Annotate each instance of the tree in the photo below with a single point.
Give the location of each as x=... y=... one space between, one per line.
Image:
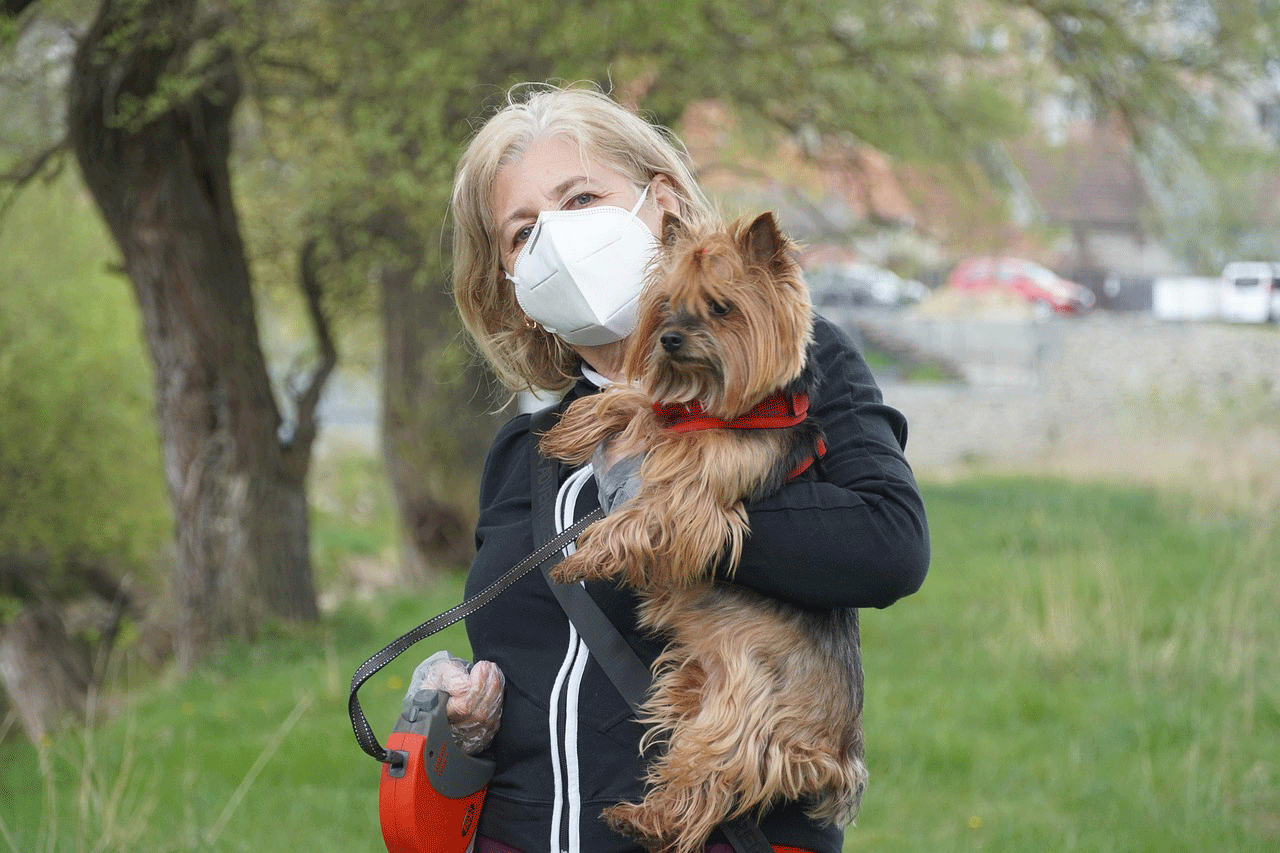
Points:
x=83 y=518
x=153 y=89
x=403 y=81
x=922 y=79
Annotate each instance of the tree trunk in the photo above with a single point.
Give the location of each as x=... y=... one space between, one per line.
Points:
x=161 y=179
x=44 y=674
x=48 y=664
x=438 y=417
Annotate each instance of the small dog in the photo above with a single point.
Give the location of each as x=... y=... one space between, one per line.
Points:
x=753 y=700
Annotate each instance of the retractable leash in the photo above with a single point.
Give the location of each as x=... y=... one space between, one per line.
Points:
x=431 y=791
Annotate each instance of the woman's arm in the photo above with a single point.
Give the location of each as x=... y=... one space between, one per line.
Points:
x=856 y=536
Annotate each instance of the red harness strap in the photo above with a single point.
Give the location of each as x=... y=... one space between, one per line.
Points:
x=725 y=848
x=775 y=412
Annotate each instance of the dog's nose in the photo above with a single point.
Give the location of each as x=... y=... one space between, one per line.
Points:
x=671 y=341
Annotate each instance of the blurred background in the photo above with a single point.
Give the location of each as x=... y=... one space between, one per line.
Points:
x=241 y=431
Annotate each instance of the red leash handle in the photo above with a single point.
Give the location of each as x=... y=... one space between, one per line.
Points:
x=429 y=798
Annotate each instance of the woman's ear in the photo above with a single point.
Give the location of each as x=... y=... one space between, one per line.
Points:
x=664 y=194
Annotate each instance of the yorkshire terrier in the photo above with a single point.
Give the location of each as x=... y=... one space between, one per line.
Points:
x=754 y=701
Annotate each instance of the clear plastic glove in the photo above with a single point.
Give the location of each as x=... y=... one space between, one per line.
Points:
x=617 y=474
x=475 y=696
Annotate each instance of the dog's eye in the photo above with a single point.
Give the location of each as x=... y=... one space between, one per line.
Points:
x=719 y=308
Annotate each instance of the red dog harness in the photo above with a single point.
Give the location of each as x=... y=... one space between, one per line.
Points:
x=775 y=412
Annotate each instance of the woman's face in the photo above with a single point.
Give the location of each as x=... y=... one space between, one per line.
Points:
x=554 y=175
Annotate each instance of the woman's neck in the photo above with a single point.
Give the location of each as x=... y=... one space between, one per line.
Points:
x=605 y=359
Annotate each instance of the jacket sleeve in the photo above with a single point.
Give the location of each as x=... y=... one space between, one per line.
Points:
x=857 y=535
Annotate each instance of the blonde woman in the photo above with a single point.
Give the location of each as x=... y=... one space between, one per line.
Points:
x=557 y=203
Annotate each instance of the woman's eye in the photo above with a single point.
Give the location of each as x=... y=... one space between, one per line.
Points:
x=521 y=235
x=719 y=308
x=582 y=200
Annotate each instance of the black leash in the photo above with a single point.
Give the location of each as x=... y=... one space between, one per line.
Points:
x=364 y=734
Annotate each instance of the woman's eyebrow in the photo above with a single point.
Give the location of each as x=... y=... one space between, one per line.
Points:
x=563 y=186
x=557 y=191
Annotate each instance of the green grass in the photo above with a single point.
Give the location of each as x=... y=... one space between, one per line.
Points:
x=1087 y=668
x=181 y=767
x=884 y=365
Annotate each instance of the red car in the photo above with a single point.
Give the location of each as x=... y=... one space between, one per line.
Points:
x=1048 y=292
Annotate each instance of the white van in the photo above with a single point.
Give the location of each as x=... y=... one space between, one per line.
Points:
x=1251 y=292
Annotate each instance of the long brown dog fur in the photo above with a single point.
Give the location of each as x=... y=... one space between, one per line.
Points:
x=754 y=701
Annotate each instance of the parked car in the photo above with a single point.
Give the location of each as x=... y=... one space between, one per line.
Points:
x=862 y=284
x=1046 y=291
x=1250 y=292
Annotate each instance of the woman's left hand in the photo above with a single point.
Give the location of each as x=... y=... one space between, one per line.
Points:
x=475 y=696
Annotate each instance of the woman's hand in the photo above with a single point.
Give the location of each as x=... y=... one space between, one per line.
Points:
x=475 y=696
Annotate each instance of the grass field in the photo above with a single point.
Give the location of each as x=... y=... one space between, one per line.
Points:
x=1087 y=668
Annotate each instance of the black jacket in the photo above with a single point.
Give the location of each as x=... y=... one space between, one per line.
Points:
x=568 y=746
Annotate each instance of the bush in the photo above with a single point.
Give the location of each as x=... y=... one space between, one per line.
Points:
x=80 y=465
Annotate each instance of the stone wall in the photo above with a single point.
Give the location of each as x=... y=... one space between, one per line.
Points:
x=1117 y=393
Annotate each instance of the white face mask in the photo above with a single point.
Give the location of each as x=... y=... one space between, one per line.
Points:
x=580 y=273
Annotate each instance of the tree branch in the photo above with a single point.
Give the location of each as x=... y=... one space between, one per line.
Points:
x=14 y=8
x=321 y=84
x=308 y=398
x=27 y=170
x=12 y=181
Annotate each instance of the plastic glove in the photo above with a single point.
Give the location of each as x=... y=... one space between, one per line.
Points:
x=475 y=696
x=617 y=474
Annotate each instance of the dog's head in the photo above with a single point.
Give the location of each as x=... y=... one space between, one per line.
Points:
x=724 y=319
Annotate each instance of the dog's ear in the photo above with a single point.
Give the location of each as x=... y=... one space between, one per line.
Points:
x=673 y=228
x=763 y=241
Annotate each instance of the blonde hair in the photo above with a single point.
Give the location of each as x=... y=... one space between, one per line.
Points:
x=526 y=356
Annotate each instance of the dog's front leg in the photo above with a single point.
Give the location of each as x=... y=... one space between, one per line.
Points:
x=684 y=518
x=656 y=540
x=615 y=546
x=689 y=515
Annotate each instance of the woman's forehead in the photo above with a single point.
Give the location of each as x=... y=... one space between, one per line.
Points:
x=548 y=168
x=552 y=159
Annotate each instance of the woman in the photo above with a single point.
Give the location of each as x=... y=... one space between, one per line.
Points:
x=556 y=203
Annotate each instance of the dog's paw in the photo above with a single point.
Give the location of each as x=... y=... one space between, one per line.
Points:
x=579 y=566
x=616 y=547
x=634 y=821
x=565 y=574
